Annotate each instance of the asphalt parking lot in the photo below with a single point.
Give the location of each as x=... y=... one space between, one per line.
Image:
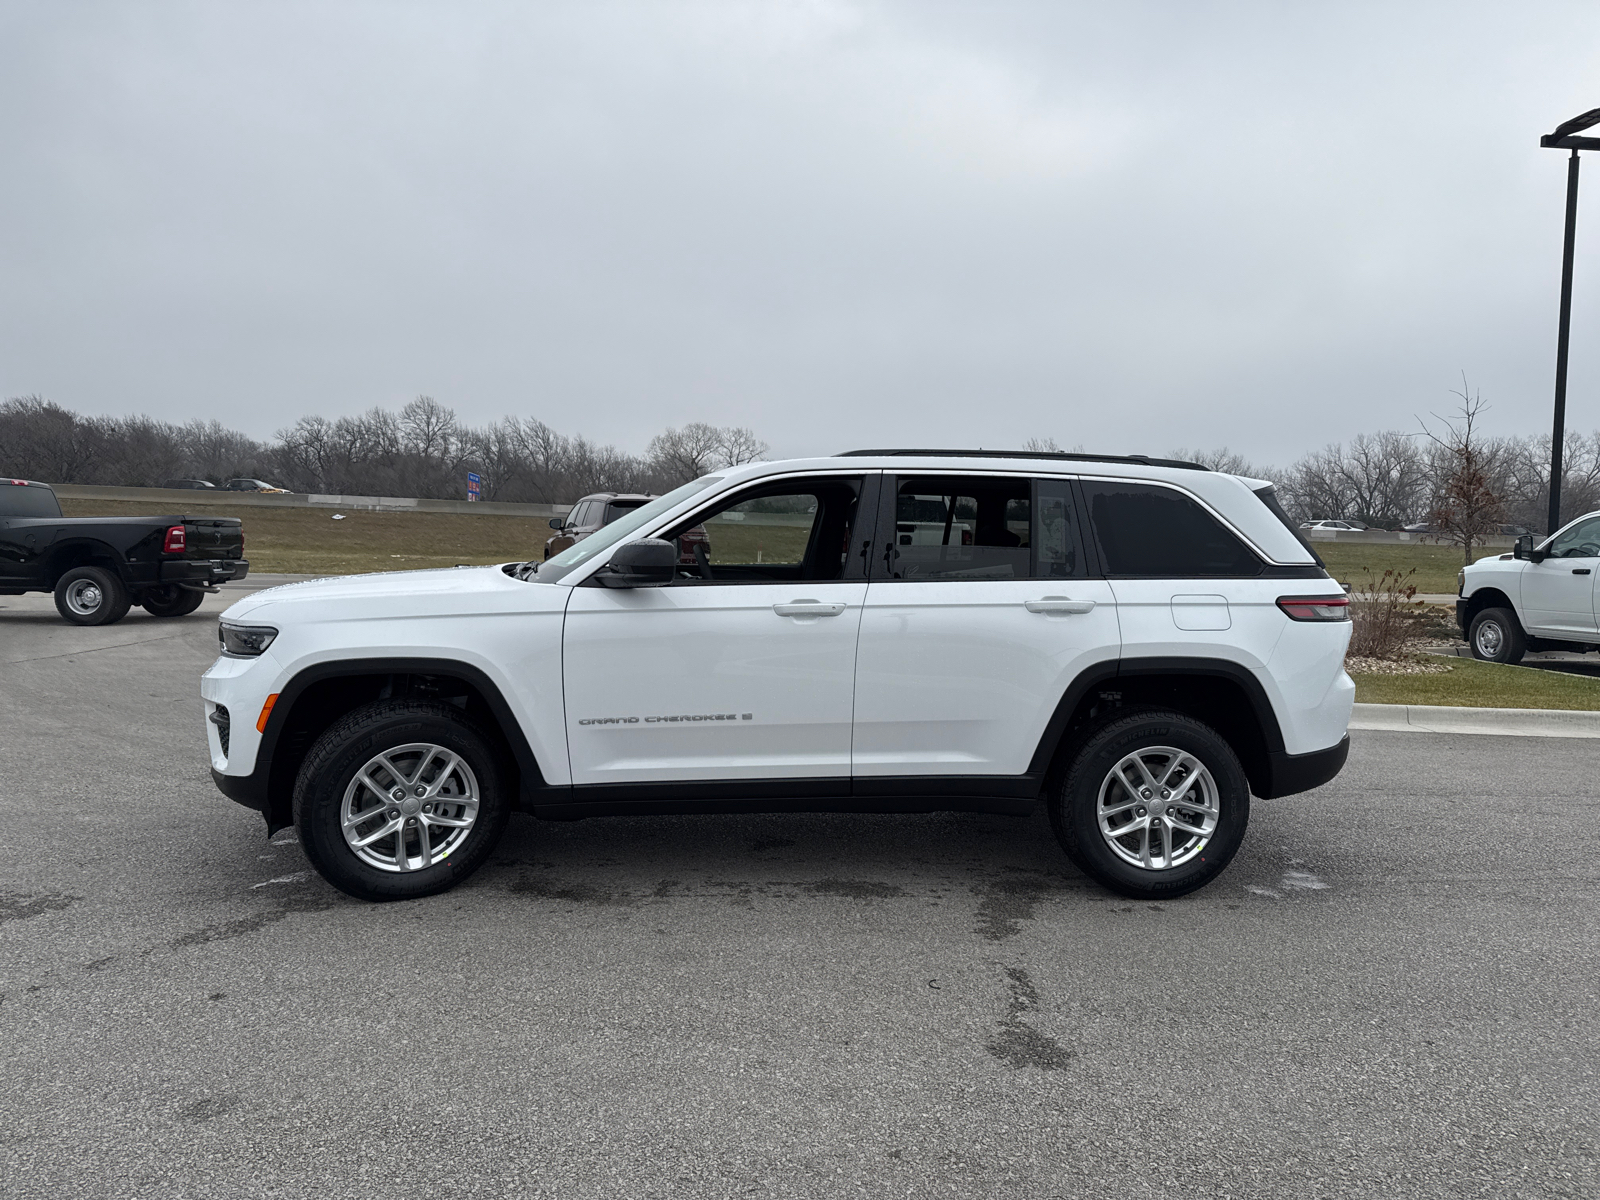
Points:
x=1392 y=992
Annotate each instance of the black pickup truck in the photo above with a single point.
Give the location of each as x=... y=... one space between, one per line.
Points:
x=99 y=567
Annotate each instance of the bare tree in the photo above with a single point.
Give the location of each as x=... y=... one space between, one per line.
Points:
x=1466 y=506
x=680 y=455
x=1223 y=460
x=1044 y=445
x=427 y=427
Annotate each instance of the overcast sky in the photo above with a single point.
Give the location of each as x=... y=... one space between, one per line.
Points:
x=844 y=224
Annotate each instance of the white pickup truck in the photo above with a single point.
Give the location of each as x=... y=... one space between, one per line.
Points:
x=1539 y=597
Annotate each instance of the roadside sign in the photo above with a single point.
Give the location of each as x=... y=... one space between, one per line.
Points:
x=474 y=486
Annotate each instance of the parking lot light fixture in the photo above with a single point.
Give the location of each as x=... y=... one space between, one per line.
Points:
x=1566 y=137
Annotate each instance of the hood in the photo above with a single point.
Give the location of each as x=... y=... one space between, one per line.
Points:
x=387 y=589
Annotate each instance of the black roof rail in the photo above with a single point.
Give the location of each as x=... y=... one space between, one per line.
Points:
x=1144 y=460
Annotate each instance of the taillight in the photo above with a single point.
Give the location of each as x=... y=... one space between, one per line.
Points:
x=176 y=541
x=1315 y=608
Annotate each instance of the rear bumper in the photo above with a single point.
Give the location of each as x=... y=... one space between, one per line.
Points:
x=1292 y=773
x=203 y=572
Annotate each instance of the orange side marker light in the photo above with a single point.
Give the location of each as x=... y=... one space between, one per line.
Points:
x=266 y=711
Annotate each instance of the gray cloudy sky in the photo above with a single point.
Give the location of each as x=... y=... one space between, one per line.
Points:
x=1134 y=226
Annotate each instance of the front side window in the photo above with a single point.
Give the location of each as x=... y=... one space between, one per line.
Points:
x=1581 y=541
x=797 y=529
x=961 y=527
x=620 y=530
x=1147 y=530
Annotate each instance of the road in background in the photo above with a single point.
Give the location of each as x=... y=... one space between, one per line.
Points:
x=1390 y=993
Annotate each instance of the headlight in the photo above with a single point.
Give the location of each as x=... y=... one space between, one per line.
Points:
x=1461 y=582
x=244 y=641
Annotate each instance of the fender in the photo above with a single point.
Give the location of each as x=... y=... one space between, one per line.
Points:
x=268 y=787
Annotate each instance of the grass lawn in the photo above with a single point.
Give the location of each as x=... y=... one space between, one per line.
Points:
x=1436 y=566
x=308 y=541
x=1476 y=684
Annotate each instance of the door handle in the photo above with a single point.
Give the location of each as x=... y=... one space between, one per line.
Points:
x=808 y=608
x=1059 y=604
x=1580 y=570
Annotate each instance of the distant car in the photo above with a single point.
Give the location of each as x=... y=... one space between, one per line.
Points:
x=1348 y=525
x=189 y=484
x=1514 y=530
x=251 y=485
x=598 y=510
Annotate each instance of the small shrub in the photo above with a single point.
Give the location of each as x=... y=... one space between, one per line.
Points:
x=1385 y=614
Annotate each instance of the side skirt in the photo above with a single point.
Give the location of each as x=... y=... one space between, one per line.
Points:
x=1012 y=795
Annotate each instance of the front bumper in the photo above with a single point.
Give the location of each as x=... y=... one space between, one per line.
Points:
x=203 y=572
x=1461 y=615
x=1292 y=773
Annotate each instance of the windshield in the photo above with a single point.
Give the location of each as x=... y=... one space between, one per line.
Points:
x=619 y=530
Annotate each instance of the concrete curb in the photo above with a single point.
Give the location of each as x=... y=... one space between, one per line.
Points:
x=1503 y=722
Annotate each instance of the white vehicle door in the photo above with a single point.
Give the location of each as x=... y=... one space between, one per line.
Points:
x=1186 y=585
x=969 y=640
x=743 y=667
x=1558 y=593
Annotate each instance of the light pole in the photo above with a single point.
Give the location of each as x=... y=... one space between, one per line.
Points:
x=1564 y=137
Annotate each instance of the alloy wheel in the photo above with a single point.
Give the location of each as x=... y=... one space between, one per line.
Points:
x=1158 y=808
x=409 y=807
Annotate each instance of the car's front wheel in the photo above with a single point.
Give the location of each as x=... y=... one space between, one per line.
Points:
x=400 y=799
x=91 y=596
x=1152 y=805
x=1495 y=635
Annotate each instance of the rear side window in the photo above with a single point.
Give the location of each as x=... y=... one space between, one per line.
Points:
x=1148 y=530
x=28 y=502
x=962 y=527
x=618 y=507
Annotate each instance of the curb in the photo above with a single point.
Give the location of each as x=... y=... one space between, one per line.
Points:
x=1502 y=722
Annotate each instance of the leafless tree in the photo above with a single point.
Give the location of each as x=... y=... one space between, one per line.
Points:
x=680 y=455
x=1466 y=507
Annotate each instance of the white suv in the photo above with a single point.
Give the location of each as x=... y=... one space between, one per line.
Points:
x=1539 y=597
x=1136 y=644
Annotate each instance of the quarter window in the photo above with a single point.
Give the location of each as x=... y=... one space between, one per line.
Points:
x=1148 y=530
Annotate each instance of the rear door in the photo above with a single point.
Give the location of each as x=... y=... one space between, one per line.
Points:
x=981 y=611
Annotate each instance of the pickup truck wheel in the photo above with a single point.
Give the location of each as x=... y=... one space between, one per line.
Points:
x=1152 y=805
x=1495 y=635
x=172 y=601
x=91 y=596
x=400 y=799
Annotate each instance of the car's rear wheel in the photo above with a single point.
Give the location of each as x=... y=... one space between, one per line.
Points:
x=1495 y=635
x=172 y=601
x=1152 y=805
x=91 y=596
x=400 y=799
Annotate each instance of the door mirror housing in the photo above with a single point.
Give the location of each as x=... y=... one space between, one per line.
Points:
x=1524 y=549
x=557 y=523
x=648 y=562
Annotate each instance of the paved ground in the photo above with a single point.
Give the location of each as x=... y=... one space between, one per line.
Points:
x=1390 y=994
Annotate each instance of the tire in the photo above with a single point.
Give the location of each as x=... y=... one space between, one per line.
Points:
x=1495 y=635
x=1160 y=740
x=411 y=735
x=172 y=601
x=91 y=596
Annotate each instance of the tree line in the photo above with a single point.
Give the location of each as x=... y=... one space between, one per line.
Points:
x=1445 y=471
x=421 y=450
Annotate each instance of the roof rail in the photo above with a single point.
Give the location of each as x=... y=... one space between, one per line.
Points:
x=1143 y=460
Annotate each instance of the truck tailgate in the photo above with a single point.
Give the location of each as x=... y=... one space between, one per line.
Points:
x=213 y=537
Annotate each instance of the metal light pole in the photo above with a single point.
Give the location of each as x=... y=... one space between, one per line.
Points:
x=1564 y=138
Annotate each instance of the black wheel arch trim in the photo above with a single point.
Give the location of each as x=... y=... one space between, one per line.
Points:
x=259 y=790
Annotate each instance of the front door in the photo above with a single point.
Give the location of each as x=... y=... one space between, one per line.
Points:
x=979 y=616
x=743 y=667
x=1558 y=593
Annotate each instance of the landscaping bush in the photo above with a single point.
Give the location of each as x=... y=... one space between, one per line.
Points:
x=1386 y=615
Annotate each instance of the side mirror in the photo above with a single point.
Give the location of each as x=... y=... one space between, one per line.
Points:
x=1524 y=549
x=648 y=562
x=557 y=523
